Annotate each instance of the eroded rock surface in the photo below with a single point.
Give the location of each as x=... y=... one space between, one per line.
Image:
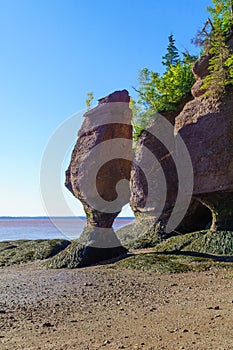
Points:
x=101 y=159
x=206 y=126
x=200 y=71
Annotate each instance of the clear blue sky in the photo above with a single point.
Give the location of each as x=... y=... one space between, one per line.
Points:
x=53 y=52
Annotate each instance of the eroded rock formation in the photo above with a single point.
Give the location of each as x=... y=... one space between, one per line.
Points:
x=151 y=221
x=200 y=71
x=206 y=127
x=101 y=159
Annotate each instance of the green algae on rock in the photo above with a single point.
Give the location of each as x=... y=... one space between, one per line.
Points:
x=153 y=263
x=170 y=263
x=22 y=251
x=206 y=242
x=94 y=245
x=143 y=233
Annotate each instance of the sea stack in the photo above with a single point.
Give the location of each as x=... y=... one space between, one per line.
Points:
x=98 y=175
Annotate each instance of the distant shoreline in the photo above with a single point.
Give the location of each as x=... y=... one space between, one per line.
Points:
x=47 y=227
x=57 y=217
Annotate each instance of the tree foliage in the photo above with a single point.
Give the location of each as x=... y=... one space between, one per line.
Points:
x=218 y=78
x=89 y=99
x=163 y=93
x=160 y=93
x=221 y=61
x=172 y=55
x=221 y=15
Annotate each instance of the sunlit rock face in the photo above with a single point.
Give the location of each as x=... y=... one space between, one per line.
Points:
x=206 y=126
x=106 y=133
x=98 y=175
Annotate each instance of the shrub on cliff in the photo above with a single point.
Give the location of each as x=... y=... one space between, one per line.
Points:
x=160 y=93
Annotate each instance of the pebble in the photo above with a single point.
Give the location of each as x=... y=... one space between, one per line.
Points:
x=47 y=324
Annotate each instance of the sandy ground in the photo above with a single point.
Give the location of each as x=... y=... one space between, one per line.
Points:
x=103 y=308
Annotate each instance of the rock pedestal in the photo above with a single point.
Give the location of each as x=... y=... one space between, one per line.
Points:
x=98 y=175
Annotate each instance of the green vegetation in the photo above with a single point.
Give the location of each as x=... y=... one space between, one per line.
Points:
x=221 y=61
x=17 y=252
x=153 y=263
x=89 y=99
x=161 y=93
x=144 y=233
x=206 y=242
x=172 y=56
x=171 y=263
x=221 y=15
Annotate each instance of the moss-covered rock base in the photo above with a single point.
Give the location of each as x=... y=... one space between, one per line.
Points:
x=94 y=245
x=22 y=251
x=144 y=233
x=170 y=263
x=206 y=242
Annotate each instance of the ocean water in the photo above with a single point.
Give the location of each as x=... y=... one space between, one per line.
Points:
x=15 y=228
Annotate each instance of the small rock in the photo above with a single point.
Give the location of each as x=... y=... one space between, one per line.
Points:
x=47 y=324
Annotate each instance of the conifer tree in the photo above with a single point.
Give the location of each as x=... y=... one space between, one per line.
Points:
x=172 y=56
x=220 y=64
x=217 y=79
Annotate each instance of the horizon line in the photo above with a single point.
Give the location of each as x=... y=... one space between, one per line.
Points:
x=56 y=216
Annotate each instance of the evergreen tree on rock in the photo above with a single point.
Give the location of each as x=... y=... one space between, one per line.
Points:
x=172 y=56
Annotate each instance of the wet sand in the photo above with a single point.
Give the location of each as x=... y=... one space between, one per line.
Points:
x=104 y=308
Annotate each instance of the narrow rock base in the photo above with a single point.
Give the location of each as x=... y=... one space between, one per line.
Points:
x=145 y=232
x=94 y=245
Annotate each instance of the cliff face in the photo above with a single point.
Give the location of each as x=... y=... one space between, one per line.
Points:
x=206 y=127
